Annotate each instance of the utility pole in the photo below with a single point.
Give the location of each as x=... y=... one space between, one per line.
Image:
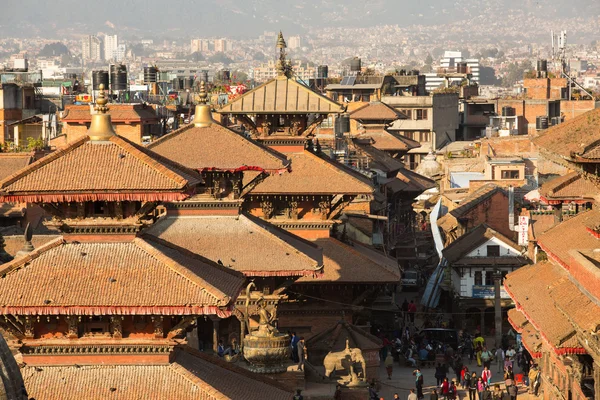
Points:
x=497 y=307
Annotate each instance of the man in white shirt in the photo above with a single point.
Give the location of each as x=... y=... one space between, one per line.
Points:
x=500 y=359
x=510 y=353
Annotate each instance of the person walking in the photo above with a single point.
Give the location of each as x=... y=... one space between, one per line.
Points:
x=480 y=388
x=419 y=383
x=465 y=377
x=486 y=357
x=473 y=386
x=298 y=395
x=486 y=375
x=294 y=345
x=412 y=395
x=404 y=309
x=440 y=374
x=389 y=365
x=533 y=377
x=445 y=388
x=412 y=310
x=433 y=395
x=301 y=347
x=512 y=390
x=500 y=359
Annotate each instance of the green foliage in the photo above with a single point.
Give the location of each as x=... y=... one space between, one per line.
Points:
x=515 y=72
x=428 y=60
x=54 y=50
x=34 y=144
x=220 y=58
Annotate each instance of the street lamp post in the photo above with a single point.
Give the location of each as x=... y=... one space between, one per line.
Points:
x=497 y=307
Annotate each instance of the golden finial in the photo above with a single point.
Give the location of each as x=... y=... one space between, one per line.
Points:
x=101 y=126
x=281 y=41
x=203 y=113
x=101 y=101
x=203 y=96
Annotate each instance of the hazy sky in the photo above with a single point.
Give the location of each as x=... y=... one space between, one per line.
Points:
x=251 y=17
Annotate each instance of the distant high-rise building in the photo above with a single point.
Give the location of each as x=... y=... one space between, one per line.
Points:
x=199 y=45
x=294 y=42
x=119 y=53
x=220 y=45
x=91 y=48
x=111 y=42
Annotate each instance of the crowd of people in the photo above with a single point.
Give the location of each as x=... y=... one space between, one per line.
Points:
x=452 y=374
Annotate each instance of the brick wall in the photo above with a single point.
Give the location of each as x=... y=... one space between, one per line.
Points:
x=573 y=108
x=493 y=212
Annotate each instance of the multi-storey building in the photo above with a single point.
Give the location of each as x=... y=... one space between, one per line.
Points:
x=111 y=43
x=91 y=48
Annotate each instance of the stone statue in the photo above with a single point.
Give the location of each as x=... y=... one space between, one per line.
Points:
x=346 y=360
x=265 y=327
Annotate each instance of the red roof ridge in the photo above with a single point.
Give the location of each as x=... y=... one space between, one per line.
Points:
x=146 y=245
x=19 y=262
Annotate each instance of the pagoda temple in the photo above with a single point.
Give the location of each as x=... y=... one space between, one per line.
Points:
x=102 y=311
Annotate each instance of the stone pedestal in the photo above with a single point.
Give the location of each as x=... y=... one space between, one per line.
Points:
x=267 y=354
x=292 y=378
x=355 y=394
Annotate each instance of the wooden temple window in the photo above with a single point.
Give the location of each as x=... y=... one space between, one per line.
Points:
x=96 y=326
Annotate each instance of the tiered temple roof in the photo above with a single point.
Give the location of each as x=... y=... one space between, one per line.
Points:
x=353 y=264
x=216 y=148
x=243 y=243
x=110 y=170
x=190 y=375
x=281 y=95
x=572 y=187
x=312 y=174
x=122 y=278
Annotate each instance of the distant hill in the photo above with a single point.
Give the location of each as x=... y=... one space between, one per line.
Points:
x=237 y=18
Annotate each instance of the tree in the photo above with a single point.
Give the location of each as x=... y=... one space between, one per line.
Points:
x=54 y=50
x=487 y=76
x=515 y=72
x=437 y=52
x=220 y=58
x=239 y=76
x=428 y=60
x=195 y=57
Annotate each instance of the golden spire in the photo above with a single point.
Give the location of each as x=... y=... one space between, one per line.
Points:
x=281 y=41
x=283 y=66
x=101 y=126
x=203 y=113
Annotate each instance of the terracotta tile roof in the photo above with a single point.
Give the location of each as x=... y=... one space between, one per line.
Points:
x=416 y=182
x=473 y=239
x=216 y=147
x=540 y=223
x=352 y=264
x=570 y=234
x=13 y=162
x=379 y=159
x=572 y=137
x=530 y=288
x=88 y=170
x=484 y=192
x=243 y=243
x=118 y=113
x=517 y=319
x=571 y=186
x=576 y=306
x=192 y=375
x=281 y=95
x=529 y=335
x=312 y=174
x=138 y=277
x=387 y=141
x=376 y=111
